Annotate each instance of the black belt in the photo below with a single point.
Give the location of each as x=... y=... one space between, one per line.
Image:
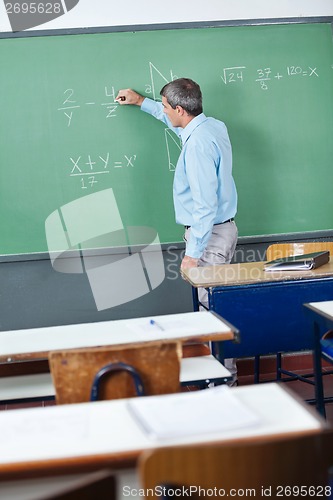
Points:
x=218 y=224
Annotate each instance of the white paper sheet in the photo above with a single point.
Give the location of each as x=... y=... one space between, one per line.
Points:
x=198 y=412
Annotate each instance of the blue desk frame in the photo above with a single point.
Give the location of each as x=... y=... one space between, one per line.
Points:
x=320 y=323
x=270 y=315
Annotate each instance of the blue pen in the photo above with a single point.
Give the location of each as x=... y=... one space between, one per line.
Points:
x=154 y=323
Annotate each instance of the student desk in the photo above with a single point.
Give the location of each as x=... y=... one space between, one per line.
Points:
x=266 y=306
x=321 y=315
x=105 y=434
x=36 y=343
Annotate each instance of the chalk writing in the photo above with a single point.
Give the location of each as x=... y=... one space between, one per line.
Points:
x=173 y=147
x=157 y=81
x=264 y=75
x=70 y=105
x=90 y=167
x=297 y=70
x=233 y=74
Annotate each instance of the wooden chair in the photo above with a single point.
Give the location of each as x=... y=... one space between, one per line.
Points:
x=275 y=465
x=278 y=251
x=73 y=371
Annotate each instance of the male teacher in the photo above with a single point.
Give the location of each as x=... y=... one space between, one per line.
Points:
x=204 y=191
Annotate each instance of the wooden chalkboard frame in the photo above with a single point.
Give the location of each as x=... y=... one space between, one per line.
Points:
x=167 y=26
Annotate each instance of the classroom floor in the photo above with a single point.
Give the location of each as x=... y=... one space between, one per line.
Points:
x=302 y=389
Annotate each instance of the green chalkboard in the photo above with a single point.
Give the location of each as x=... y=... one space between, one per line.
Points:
x=62 y=136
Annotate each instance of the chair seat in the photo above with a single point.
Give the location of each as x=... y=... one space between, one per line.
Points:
x=22 y=387
x=327 y=349
x=326 y=343
x=203 y=369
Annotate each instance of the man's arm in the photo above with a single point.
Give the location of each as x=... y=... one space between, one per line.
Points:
x=129 y=96
x=153 y=108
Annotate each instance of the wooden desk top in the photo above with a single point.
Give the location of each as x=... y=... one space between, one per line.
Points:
x=107 y=434
x=248 y=273
x=36 y=343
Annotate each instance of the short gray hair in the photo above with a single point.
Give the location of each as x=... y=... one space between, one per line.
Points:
x=184 y=92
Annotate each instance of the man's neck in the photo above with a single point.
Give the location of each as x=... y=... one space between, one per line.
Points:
x=186 y=120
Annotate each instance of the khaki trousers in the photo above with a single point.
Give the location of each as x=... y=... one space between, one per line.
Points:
x=220 y=250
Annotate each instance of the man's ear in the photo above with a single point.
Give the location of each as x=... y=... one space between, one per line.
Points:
x=180 y=110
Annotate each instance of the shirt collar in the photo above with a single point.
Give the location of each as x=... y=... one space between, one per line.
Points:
x=194 y=123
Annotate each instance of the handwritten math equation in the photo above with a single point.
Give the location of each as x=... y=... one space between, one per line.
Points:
x=70 y=106
x=264 y=76
x=89 y=168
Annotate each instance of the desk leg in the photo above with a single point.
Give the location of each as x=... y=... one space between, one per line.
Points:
x=217 y=347
x=318 y=376
x=217 y=351
x=278 y=366
x=256 y=369
x=195 y=299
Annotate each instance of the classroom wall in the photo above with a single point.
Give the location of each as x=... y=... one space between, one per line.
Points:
x=32 y=293
x=89 y=13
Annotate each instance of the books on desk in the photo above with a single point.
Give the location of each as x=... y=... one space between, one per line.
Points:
x=299 y=262
x=192 y=413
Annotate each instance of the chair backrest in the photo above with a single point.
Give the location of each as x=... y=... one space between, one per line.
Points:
x=107 y=371
x=73 y=371
x=280 y=250
x=244 y=465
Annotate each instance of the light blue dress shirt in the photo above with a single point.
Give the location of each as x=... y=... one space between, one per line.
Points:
x=204 y=190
